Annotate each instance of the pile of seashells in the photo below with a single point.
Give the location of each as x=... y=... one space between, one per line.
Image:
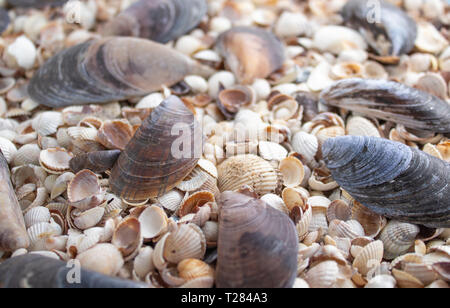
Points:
x=318 y=133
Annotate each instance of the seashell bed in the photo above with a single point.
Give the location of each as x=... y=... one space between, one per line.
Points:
x=225 y=143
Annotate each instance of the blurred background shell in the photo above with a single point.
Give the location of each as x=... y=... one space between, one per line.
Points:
x=158 y=20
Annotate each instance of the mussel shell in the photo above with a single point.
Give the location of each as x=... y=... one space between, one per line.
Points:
x=257 y=244
x=394 y=24
x=158 y=20
x=109 y=69
x=251 y=52
x=390 y=101
x=392 y=179
x=148 y=167
x=13 y=234
x=4 y=20
x=36 y=3
x=35 y=271
x=97 y=162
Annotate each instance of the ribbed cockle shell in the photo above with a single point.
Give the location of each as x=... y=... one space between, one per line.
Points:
x=392 y=179
x=162 y=153
x=257 y=244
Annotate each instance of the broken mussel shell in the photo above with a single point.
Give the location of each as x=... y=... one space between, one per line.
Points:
x=157 y=20
x=251 y=52
x=390 y=101
x=164 y=150
x=109 y=69
x=386 y=28
x=4 y=20
x=35 y=271
x=391 y=179
x=257 y=244
x=98 y=161
x=13 y=234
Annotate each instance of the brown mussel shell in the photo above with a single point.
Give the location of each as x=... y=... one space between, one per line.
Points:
x=390 y=101
x=376 y=19
x=257 y=244
x=13 y=234
x=109 y=69
x=391 y=179
x=150 y=165
x=35 y=271
x=157 y=20
x=251 y=52
x=97 y=162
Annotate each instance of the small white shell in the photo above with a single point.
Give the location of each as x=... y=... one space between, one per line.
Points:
x=291 y=24
x=153 y=221
x=225 y=78
x=336 y=39
x=186 y=242
x=8 y=149
x=37 y=215
x=359 y=126
x=27 y=154
x=198 y=84
x=143 y=263
x=369 y=257
x=276 y=202
x=102 y=258
x=272 y=151
x=429 y=39
x=89 y=218
x=292 y=171
x=22 y=52
x=381 y=282
x=47 y=123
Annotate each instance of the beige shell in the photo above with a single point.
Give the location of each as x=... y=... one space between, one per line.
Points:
x=82 y=133
x=194 y=268
x=425 y=273
x=158 y=254
x=329 y=132
x=84 y=191
x=194 y=202
x=304 y=222
x=27 y=154
x=370 y=256
x=103 y=258
x=211 y=231
x=398 y=238
x=89 y=218
x=8 y=149
x=345 y=229
x=127 y=237
x=47 y=123
x=336 y=39
x=406 y=280
x=188 y=241
x=248 y=170
x=371 y=222
x=276 y=202
x=154 y=222
x=293 y=197
x=115 y=134
x=359 y=126
x=37 y=215
x=339 y=209
x=381 y=282
x=42 y=230
x=199 y=283
x=55 y=160
x=344 y=70
x=271 y=151
x=60 y=184
x=143 y=263
x=194 y=180
x=429 y=39
x=374 y=70
x=171 y=200
x=292 y=171
x=323 y=275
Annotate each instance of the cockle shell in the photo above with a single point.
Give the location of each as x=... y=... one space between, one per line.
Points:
x=115 y=61
x=369 y=257
x=382 y=19
x=390 y=101
x=292 y=171
x=55 y=160
x=251 y=52
x=152 y=162
x=154 y=222
x=102 y=258
x=391 y=179
x=37 y=215
x=157 y=20
x=84 y=191
x=248 y=170
x=98 y=162
x=306 y=145
x=193 y=268
x=188 y=241
x=266 y=235
x=398 y=238
x=8 y=149
x=13 y=234
x=127 y=237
